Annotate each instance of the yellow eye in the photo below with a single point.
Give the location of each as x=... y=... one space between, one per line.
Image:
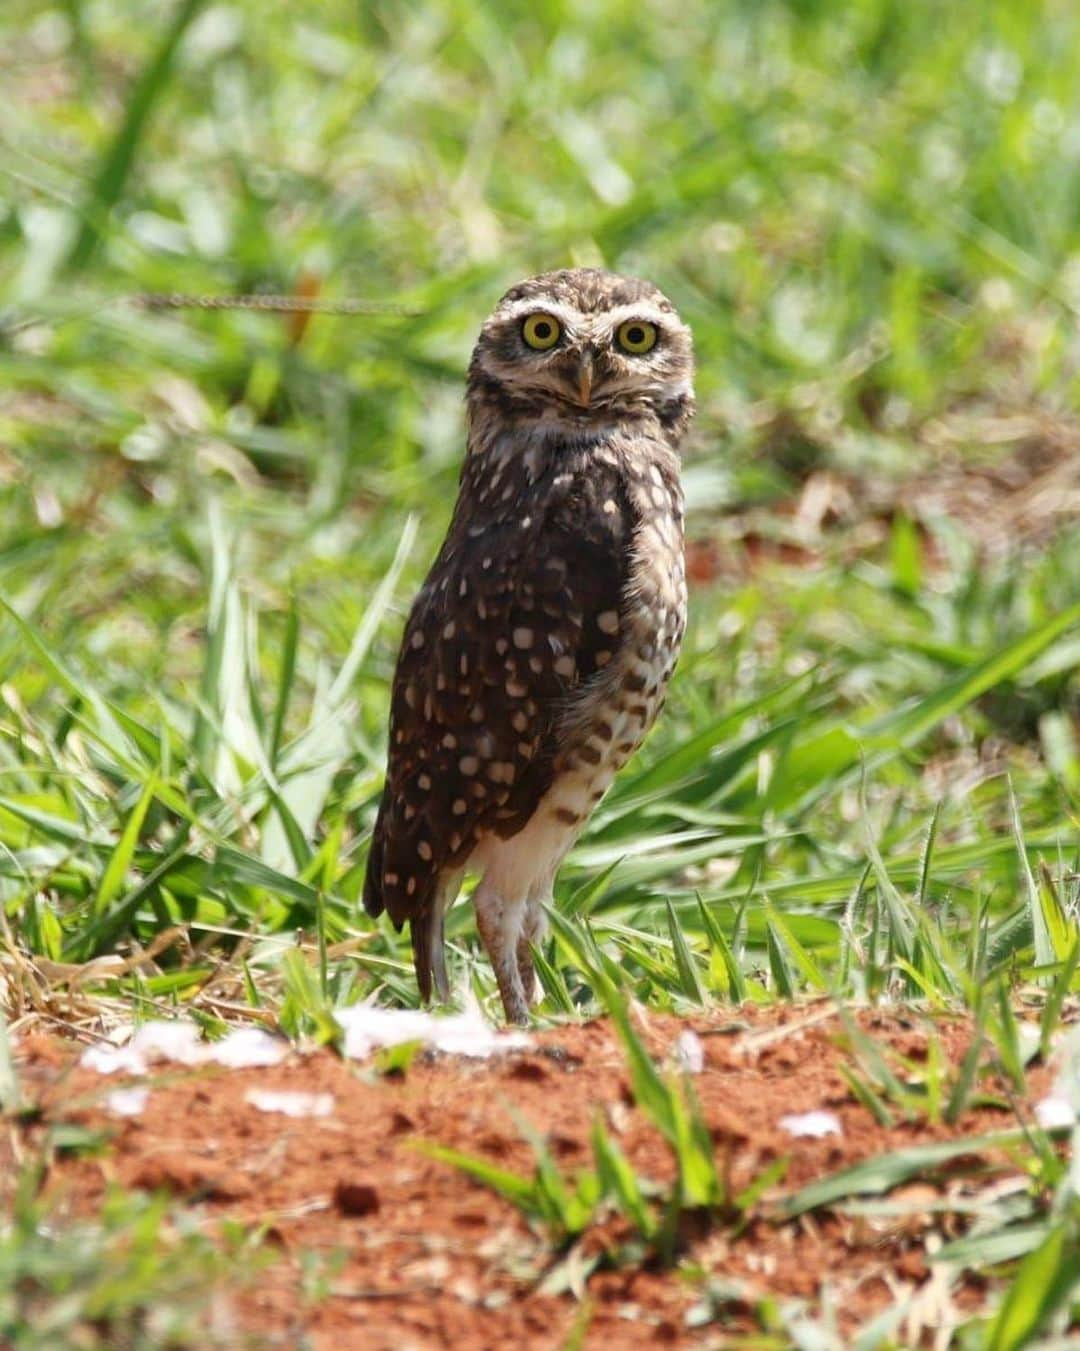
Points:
x=541 y=331
x=637 y=336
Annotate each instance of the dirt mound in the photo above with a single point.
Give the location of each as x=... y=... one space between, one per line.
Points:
x=417 y=1255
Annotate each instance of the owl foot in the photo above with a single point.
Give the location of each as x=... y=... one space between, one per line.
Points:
x=499 y=926
x=532 y=935
x=527 y=971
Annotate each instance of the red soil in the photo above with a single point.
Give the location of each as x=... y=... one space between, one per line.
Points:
x=427 y=1258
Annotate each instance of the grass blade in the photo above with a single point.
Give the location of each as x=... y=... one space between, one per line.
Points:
x=1040 y=929
x=735 y=981
x=685 y=964
x=881 y=1174
x=519 y=1191
x=116 y=870
x=108 y=182
x=1045 y=1278
x=618 y=1177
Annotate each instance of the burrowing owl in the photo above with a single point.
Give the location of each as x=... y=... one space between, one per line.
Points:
x=537 y=653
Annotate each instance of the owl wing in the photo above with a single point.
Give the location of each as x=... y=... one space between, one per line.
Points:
x=515 y=616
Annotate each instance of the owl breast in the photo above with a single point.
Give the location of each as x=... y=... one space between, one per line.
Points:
x=614 y=712
x=609 y=717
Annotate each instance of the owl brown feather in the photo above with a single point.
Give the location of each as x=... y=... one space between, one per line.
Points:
x=536 y=652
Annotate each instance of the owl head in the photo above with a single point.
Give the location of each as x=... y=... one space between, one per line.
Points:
x=584 y=348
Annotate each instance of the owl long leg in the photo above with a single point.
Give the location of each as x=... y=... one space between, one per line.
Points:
x=499 y=923
x=526 y=970
x=532 y=932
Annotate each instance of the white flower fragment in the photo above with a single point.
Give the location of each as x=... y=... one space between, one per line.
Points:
x=290 y=1104
x=180 y=1043
x=113 y=1060
x=689 y=1052
x=369 y=1029
x=248 y=1047
x=1061 y=1106
x=812 y=1124
x=127 y=1101
x=1054 y=1111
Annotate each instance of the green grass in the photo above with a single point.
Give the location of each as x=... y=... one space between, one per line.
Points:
x=566 y=1208
x=867 y=781
x=137 y=1276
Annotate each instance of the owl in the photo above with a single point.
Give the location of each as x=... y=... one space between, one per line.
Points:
x=538 y=651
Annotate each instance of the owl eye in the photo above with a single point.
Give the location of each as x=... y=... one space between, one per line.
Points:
x=541 y=331
x=637 y=336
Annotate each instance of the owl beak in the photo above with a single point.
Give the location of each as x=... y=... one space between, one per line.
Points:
x=585 y=379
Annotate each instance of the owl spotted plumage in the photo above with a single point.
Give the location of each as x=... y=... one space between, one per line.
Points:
x=538 y=651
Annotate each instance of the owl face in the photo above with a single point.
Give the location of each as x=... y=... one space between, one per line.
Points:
x=583 y=347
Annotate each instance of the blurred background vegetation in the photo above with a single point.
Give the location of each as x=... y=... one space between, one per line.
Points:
x=868 y=211
x=867 y=780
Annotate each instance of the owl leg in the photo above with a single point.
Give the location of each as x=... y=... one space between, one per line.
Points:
x=532 y=932
x=499 y=923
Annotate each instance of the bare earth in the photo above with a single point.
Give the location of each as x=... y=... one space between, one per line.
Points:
x=417 y=1255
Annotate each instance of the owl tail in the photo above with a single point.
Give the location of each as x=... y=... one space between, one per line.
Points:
x=374 y=903
x=425 y=917
x=429 y=951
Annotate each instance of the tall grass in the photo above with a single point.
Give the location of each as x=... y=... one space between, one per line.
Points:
x=867 y=780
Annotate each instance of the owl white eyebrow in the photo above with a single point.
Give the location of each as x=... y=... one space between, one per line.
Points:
x=646 y=313
x=541 y=305
x=572 y=320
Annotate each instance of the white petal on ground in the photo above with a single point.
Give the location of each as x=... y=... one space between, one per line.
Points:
x=1054 y=1111
x=247 y=1047
x=127 y=1101
x=113 y=1060
x=367 y=1029
x=689 y=1052
x=176 y=1041
x=815 y=1124
x=152 y=1041
x=290 y=1104
x=1061 y=1106
x=181 y=1043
